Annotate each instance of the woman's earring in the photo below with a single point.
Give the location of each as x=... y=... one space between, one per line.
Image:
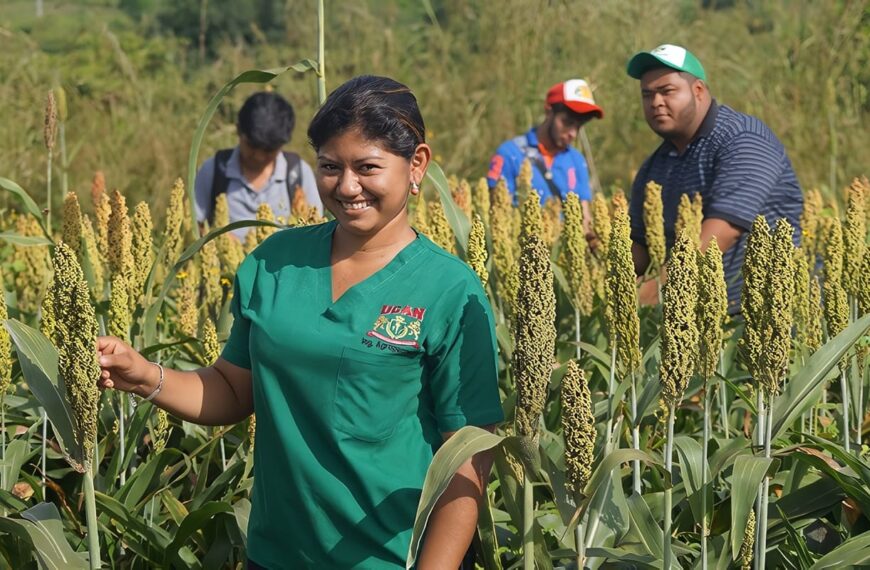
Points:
x=415 y=188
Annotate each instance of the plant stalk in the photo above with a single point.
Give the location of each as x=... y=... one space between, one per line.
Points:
x=759 y=441
x=708 y=401
x=722 y=394
x=122 y=429
x=91 y=519
x=61 y=135
x=635 y=434
x=44 y=445
x=765 y=491
x=611 y=388
x=528 y=524
x=669 y=497
x=844 y=388
x=577 y=351
x=321 y=65
x=48 y=192
x=579 y=539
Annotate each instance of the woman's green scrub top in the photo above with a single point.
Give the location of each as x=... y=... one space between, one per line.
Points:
x=352 y=396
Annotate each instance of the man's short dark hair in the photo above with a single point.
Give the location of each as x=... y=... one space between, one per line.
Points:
x=267 y=120
x=582 y=118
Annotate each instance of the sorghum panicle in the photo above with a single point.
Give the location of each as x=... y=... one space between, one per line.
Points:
x=748 y=545
x=679 y=327
x=576 y=262
x=836 y=305
x=854 y=239
x=534 y=334
x=441 y=232
x=98 y=187
x=89 y=240
x=5 y=345
x=477 y=253
x=654 y=223
x=264 y=214
x=601 y=222
x=578 y=423
x=75 y=336
x=531 y=217
x=212 y=290
x=187 y=304
x=504 y=256
x=71 y=232
x=814 y=321
x=780 y=288
x=420 y=218
x=480 y=200
x=810 y=225
x=624 y=325
x=551 y=225
x=161 y=429
x=801 y=295
x=142 y=248
x=119 y=308
x=524 y=181
x=759 y=247
x=49 y=129
x=462 y=196
x=712 y=308
x=210 y=345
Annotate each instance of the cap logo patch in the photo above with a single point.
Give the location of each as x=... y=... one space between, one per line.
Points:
x=399 y=325
x=675 y=55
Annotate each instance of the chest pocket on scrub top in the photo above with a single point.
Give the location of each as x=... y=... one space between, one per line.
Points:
x=374 y=392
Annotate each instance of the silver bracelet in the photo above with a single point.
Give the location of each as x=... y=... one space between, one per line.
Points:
x=159 y=387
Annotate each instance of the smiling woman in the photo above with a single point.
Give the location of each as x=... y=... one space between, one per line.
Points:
x=361 y=346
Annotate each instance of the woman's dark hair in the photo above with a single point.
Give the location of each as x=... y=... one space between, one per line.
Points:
x=382 y=109
x=267 y=120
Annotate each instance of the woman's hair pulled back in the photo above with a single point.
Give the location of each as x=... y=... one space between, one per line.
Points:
x=381 y=108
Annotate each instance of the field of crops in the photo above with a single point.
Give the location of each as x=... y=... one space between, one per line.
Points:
x=655 y=436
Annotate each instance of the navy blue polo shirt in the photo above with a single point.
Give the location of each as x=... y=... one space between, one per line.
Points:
x=741 y=170
x=568 y=169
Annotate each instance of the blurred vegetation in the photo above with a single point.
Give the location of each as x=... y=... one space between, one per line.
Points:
x=139 y=72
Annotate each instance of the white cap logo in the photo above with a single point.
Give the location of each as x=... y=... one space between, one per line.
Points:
x=675 y=55
x=578 y=90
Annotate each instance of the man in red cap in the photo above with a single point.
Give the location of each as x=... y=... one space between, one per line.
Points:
x=557 y=167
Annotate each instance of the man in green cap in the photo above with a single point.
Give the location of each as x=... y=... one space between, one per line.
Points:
x=732 y=159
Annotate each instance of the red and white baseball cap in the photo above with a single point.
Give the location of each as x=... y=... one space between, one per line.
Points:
x=576 y=95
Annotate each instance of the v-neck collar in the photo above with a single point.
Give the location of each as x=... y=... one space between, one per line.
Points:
x=370 y=283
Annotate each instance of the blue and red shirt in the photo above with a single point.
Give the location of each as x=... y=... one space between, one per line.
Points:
x=567 y=168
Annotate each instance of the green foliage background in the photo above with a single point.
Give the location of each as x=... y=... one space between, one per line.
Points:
x=137 y=76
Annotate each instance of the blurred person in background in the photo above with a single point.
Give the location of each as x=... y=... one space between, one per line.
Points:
x=258 y=170
x=734 y=160
x=557 y=167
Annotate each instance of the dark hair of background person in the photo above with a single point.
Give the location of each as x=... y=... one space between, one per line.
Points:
x=382 y=109
x=267 y=120
x=582 y=118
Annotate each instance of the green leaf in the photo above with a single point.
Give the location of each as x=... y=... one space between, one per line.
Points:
x=41 y=527
x=28 y=203
x=804 y=390
x=250 y=76
x=192 y=523
x=691 y=470
x=25 y=240
x=460 y=225
x=458 y=449
x=747 y=475
x=148 y=542
x=853 y=553
x=17 y=453
x=647 y=530
x=38 y=359
x=242 y=511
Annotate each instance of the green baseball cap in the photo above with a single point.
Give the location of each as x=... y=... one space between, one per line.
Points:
x=666 y=55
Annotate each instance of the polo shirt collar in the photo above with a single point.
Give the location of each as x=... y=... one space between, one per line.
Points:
x=234 y=167
x=532 y=137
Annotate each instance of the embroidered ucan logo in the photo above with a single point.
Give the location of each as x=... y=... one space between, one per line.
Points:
x=399 y=325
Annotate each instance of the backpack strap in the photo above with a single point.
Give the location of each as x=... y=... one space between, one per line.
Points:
x=220 y=182
x=535 y=158
x=294 y=164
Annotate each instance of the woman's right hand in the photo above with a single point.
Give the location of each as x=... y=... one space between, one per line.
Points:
x=122 y=368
